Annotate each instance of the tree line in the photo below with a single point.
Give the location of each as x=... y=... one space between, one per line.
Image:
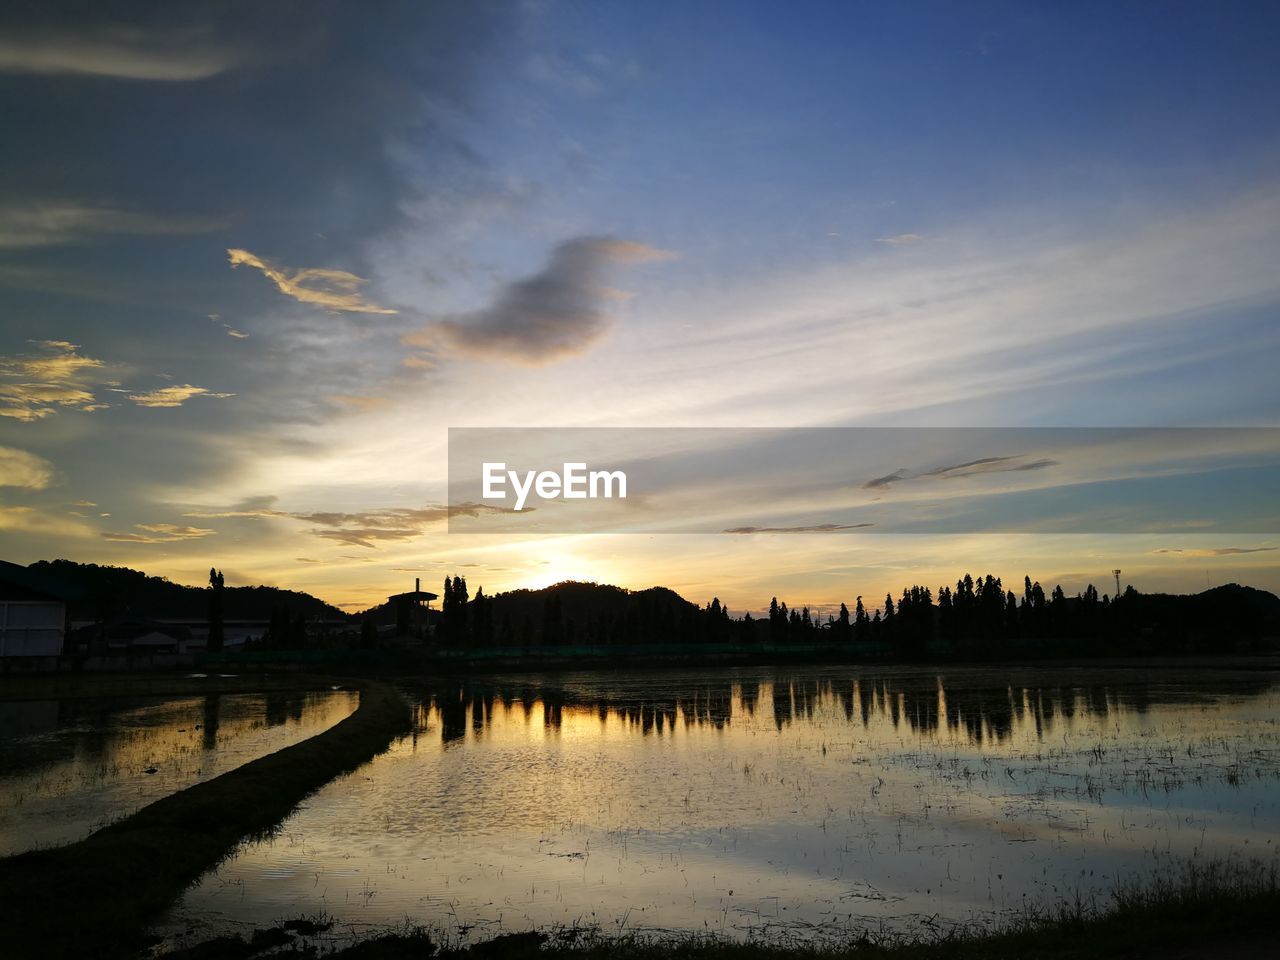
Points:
x=977 y=618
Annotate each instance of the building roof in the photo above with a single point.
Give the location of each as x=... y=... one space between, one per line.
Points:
x=413 y=595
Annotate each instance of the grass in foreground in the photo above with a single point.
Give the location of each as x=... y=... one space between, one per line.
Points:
x=94 y=898
x=1198 y=910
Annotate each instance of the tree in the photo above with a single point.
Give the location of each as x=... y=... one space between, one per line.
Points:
x=552 y=621
x=842 y=629
x=481 y=619
x=217 y=636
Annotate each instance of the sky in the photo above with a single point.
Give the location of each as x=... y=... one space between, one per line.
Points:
x=257 y=259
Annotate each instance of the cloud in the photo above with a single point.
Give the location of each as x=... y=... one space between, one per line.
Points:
x=366 y=528
x=174 y=396
x=231 y=331
x=360 y=529
x=51 y=223
x=257 y=508
x=1213 y=551
x=558 y=312
x=814 y=528
x=358 y=402
x=31 y=520
x=159 y=533
x=900 y=240
x=120 y=52
x=24 y=470
x=878 y=482
x=332 y=289
x=970 y=468
x=32 y=387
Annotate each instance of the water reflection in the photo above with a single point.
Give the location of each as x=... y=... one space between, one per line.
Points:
x=766 y=802
x=70 y=766
x=921 y=704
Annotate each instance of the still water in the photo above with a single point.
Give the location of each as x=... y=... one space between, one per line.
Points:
x=768 y=803
x=68 y=767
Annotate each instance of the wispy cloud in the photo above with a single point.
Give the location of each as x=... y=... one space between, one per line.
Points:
x=257 y=508
x=1205 y=552
x=24 y=470
x=900 y=240
x=359 y=529
x=332 y=289
x=32 y=387
x=358 y=401
x=811 y=528
x=126 y=53
x=365 y=529
x=558 y=312
x=51 y=223
x=174 y=396
x=159 y=533
x=40 y=523
x=985 y=465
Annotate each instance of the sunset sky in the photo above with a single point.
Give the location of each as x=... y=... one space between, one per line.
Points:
x=256 y=259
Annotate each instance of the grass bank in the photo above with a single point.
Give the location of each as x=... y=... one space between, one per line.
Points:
x=1201 y=910
x=94 y=898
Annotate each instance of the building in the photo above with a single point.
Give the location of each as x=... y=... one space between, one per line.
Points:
x=34 y=616
x=412 y=610
x=133 y=635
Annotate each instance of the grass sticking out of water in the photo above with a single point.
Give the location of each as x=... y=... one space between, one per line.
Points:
x=1195 y=910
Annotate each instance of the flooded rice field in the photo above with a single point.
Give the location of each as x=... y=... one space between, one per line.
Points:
x=769 y=803
x=70 y=766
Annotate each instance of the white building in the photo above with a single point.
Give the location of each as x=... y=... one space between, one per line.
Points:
x=33 y=613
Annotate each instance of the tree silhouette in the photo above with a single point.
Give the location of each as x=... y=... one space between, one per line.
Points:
x=217 y=636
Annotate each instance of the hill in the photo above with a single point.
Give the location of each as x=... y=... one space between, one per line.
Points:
x=598 y=612
x=110 y=592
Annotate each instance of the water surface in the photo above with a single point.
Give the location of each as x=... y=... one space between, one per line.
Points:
x=70 y=766
x=769 y=802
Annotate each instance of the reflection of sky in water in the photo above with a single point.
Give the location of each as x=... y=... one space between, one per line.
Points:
x=68 y=767
x=770 y=802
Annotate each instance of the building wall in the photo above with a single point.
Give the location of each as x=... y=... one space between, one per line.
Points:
x=32 y=628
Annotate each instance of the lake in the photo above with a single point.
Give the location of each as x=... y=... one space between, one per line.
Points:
x=769 y=803
x=70 y=766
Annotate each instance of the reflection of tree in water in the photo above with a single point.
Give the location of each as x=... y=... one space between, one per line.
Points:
x=553 y=709
x=921 y=704
x=210 y=716
x=455 y=709
x=781 y=704
x=277 y=709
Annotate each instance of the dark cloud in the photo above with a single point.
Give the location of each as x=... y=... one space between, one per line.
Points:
x=360 y=529
x=970 y=468
x=1213 y=551
x=558 y=312
x=814 y=528
x=887 y=479
x=289 y=118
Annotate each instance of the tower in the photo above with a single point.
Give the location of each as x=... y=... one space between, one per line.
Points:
x=1117 y=573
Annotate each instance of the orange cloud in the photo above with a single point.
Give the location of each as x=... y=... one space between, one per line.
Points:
x=333 y=289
